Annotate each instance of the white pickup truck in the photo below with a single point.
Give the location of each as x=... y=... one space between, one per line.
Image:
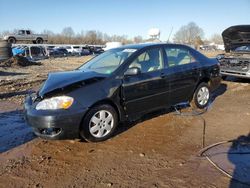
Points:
x=26 y=35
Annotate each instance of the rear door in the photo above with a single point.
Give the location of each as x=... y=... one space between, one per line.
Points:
x=28 y=35
x=145 y=91
x=183 y=73
x=21 y=35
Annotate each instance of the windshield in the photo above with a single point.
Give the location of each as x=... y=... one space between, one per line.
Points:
x=245 y=48
x=107 y=62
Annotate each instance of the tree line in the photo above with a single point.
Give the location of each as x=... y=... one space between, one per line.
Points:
x=190 y=34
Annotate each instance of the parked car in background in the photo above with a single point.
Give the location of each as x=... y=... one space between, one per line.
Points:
x=74 y=50
x=18 y=51
x=69 y=49
x=58 y=52
x=85 y=51
x=120 y=84
x=26 y=35
x=63 y=50
x=96 y=50
x=236 y=61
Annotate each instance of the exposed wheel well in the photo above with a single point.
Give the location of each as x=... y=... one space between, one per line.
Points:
x=205 y=79
x=111 y=103
x=11 y=37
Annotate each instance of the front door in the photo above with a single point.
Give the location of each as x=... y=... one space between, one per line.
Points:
x=147 y=90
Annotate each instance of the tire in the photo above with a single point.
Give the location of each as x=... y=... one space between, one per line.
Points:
x=5 y=50
x=11 y=40
x=94 y=128
x=39 y=40
x=202 y=96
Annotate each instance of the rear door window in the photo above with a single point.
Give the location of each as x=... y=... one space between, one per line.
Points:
x=178 y=56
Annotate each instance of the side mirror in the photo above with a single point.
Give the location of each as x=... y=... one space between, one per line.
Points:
x=132 y=71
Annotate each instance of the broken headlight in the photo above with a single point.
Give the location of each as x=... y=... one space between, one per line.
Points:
x=54 y=103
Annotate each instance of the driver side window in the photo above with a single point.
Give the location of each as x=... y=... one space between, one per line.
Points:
x=150 y=60
x=21 y=32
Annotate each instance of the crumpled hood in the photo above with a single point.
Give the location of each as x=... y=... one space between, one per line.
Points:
x=60 y=80
x=236 y=36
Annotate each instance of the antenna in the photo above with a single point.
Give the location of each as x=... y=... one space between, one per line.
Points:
x=170 y=34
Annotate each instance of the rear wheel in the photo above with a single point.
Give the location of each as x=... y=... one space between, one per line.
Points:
x=201 y=96
x=99 y=123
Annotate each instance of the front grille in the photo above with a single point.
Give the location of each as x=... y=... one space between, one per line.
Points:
x=235 y=64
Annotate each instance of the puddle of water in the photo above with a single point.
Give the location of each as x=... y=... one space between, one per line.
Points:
x=234 y=159
x=13 y=130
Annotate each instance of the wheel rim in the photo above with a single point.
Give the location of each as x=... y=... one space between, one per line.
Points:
x=101 y=123
x=203 y=96
x=11 y=40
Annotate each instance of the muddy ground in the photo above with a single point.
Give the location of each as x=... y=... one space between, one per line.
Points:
x=161 y=150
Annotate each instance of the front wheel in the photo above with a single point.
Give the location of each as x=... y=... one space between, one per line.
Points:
x=99 y=123
x=39 y=41
x=12 y=40
x=201 y=96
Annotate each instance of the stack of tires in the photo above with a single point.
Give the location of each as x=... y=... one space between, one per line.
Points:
x=5 y=50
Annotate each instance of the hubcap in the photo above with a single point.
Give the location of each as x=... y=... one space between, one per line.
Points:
x=203 y=96
x=101 y=123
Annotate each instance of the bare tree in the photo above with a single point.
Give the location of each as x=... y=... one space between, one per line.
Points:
x=68 y=33
x=138 y=39
x=216 y=38
x=189 y=34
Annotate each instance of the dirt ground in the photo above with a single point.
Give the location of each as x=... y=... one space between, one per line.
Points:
x=161 y=150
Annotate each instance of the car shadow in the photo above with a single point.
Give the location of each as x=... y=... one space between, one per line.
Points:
x=13 y=130
x=219 y=91
x=15 y=93
x=124 y=126
x=2 y=73
x=236 y=79
x=127 y=125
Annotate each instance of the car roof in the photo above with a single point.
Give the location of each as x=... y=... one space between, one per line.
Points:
x=143 y=45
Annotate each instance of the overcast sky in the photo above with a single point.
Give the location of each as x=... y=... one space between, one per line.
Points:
x=123 y=17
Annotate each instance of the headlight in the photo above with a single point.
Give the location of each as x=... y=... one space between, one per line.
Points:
x=62 y=102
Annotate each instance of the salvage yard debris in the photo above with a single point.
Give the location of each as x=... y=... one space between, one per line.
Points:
x=19 y=61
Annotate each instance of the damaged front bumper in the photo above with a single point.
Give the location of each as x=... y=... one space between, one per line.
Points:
x=53 y=124
x=230 y=72
x=235 y=67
